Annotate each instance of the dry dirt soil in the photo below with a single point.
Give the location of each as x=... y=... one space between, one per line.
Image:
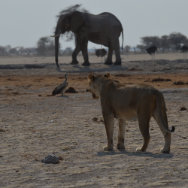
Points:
x=34 y=124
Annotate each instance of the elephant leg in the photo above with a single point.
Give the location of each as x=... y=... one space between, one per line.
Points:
x=74 y=55
x=109 y=58
x=85 y=54
x=117 y=53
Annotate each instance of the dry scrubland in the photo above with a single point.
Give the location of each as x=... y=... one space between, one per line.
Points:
x=34 y=124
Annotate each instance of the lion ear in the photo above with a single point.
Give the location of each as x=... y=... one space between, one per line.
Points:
x=107 y=75
x=91 y=76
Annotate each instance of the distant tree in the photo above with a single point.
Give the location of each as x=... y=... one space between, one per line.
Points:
x=176 y=40
x=7 y=48
x=164 y=43
x=45 y=46
x=69 y=36
x=13 y=51
x=150 y=40
x=67 y=51
x=171 y=42
x=141 y=47
x=127 y=49
x=2 y=51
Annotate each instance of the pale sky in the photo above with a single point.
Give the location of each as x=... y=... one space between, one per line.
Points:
x=23 y=22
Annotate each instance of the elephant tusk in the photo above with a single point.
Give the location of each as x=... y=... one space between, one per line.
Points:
x=54 y=36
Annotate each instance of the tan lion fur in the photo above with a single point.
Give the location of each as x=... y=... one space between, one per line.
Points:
x=126 y=102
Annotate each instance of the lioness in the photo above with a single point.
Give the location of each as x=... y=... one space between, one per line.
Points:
x=126 y=102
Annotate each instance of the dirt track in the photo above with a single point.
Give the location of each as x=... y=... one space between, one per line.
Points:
x=34 y=124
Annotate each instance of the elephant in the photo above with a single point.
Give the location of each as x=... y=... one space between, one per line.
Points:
x=104 y=29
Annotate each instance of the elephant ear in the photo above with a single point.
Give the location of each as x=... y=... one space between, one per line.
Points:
x=77 y=21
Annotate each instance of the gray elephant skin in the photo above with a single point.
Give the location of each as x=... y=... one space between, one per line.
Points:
x=104 y=29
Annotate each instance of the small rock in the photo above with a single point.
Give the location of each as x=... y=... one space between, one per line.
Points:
x=183 y=109
x=60 y=158
x=161 y=80
x=98 y=120
x=51 y=159
x=88 y=90
x=2 y=130
x=101 y=120
x=71 y=90
x=179 y=83
x=95 y=119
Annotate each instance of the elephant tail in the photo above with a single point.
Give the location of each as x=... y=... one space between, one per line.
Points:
x=122 y=39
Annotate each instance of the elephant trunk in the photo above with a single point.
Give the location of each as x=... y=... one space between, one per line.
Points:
x=57 y=51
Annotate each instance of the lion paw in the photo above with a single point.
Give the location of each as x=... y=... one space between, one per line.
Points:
x=139 y=150
x=165 y=151
x=107 y=148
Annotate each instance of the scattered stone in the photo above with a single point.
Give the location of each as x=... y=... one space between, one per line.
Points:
x=87 y=90
x=95 y=119
x=184 y=137
x=183 y=109
x=161 y=80
x=51 y=159
x=102 y=120
x=2 y=130
x=15 y=93
x=134 y=69
x=121 y=75
x=60 y=158
x=71 y=90
x=98 y=120
x=179 y=83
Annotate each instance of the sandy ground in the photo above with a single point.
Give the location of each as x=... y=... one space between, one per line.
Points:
x=34 y=124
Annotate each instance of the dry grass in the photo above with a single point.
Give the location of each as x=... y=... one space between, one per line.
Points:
x=34 y=124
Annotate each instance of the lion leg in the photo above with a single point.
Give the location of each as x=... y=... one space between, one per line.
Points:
x=121 y=135
x=161 y=119
x=166 y=148
x=144 y=129
x=109 y=126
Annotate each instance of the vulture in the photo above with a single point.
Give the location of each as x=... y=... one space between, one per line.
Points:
x=100 y=52
x=61 y=88
x=184 y=48
x=151 y=50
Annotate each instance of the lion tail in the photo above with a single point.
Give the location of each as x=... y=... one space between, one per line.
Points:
x=160 y=113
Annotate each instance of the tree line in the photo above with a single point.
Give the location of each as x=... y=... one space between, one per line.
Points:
x=166 y=43
x=45 y=46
